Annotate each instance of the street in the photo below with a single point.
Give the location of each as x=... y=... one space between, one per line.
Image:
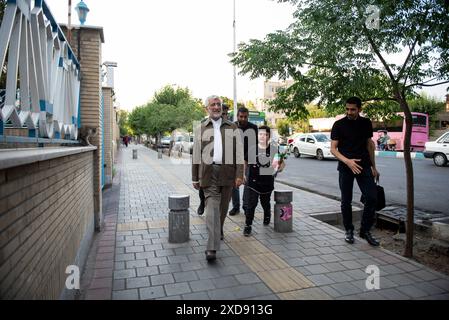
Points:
x=431 y=182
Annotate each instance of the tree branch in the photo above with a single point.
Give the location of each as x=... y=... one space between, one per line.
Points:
x=412 y=48
x=408 y=58
x=423 y=84
x=379 y=99
x=379 y=55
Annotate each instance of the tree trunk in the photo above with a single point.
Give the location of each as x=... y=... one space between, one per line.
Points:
x=408 y=251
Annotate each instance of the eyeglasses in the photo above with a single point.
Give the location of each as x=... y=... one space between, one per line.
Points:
x=218 y=104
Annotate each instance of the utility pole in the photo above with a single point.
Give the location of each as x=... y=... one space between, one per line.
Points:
x=235 y=71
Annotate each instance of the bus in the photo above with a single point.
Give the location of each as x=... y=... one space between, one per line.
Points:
x=256 y=117
x=396 y=131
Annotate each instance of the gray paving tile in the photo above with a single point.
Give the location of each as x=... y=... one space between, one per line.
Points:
x=169 y=268
x=441 y=283
x=221 y=294
x=430 y=289
x=339 y=276
x=316 y=269
x=225 y=282
x=136 y=264
x=141 y=282
x=244 y=291
x=177 y=288
x=133 y=249
x=196 y=296
x=162 y=279
x=247 y=278
x=147 y=271
x=123 y=274
x=320 y=279
x=125 y=295
x=125 y=257
x=412 y=291
x=314 y=260
x=393 y=294
x=178 y=259
x=118 y=285
x=157 y=261
x=346 y=288
x=190 y=266
x=202 y=285
x=185 y=276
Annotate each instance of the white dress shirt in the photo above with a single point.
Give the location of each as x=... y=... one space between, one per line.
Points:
x=218 y=146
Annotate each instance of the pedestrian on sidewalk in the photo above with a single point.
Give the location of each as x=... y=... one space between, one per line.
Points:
x=217 y=167
x=260 y=177
x=353 y=147
x=249 y=137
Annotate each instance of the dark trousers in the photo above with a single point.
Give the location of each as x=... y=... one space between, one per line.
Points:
x=202 y=198
x=252 y=200
x=236 y=198
x=367 y=186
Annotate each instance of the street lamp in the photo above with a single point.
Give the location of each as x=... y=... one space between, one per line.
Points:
x=82 y=10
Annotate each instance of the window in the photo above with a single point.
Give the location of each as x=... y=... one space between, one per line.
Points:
x=322 y=138
x=419 y=121
x=303 y=139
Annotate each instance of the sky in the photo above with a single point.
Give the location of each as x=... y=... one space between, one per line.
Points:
x=181 y=42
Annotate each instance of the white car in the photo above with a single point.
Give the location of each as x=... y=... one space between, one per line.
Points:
x=312 y=144
x=438 y=150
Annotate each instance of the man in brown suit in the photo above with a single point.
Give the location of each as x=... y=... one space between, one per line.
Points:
x=217 y=167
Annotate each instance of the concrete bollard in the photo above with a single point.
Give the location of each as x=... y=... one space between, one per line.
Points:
x=159 y=153
x=134 y=154
x=283 y=211
x=178 y=218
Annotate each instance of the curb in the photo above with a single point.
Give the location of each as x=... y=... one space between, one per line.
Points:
x=394 y=154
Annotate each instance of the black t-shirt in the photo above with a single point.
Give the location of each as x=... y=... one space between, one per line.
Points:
x=247 y=137
x=352 y=136
x=260 y=168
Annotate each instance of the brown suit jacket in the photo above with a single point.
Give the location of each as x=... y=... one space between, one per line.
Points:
x=232 y=161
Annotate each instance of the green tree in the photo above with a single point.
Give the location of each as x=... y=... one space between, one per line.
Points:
x=283 y=127
x=123 y=122
x=333 y=51
x=171 y=108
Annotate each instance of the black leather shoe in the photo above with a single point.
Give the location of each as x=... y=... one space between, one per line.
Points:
x=247 y=231
x=349 y=236
x=200 y=210
x=211 y=255
x=266 y=221
x=369 y=238
x=234 y=212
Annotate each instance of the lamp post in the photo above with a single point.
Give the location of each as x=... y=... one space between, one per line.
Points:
x=82 y=10
x=235 y=71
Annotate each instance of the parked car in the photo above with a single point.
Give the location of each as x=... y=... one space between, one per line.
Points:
x=187 y=144
x=165 y=142
x=438 y=150
x=313 y=144
x=291 y=139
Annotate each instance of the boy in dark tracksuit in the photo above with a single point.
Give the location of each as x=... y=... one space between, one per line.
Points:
x=260 y=178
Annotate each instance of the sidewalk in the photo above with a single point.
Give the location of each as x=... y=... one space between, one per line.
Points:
x=313 y=262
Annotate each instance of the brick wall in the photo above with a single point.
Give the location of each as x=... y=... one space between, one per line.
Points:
x=108 y=134
x=46 y=223
x=86 y=42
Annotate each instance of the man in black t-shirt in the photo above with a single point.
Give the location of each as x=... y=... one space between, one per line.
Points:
x=249 y=137
x=353 y=147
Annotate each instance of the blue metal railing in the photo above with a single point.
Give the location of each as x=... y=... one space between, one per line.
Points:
x=48 y=100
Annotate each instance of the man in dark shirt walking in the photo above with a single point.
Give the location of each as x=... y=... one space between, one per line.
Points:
x=353 y=147
x=249 y=137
